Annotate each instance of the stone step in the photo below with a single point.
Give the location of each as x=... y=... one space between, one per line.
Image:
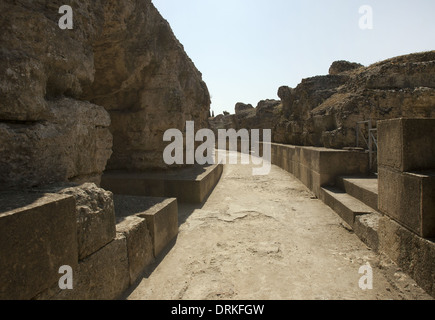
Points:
x=346 y=206
x=188 y=185
x=364 y=189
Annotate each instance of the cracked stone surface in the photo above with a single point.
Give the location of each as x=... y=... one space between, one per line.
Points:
x=267 y=237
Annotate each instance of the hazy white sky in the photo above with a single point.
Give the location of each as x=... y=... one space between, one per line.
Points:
x=247 y=49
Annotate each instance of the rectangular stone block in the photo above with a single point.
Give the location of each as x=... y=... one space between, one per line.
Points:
x=409 y=198
x=279 y=149
x=306 y=176
x=366 y=227
x=342 y=162
x=285 y=159
x=274 y=155
x=407 y=144
x=139 y=244
x=38 y=235
x=309 y=157
x=297 y=169
x=413 y=254
x=103 y=275
x=95 y=215
x=162 y=222
x=346 y=206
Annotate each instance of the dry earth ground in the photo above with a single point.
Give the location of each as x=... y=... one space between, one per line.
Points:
x=268 y=238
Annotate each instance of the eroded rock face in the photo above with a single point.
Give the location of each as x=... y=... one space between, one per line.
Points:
x=122 y=57
x=73 y=143
x=324 y=110
x=146 y=82
x=240 y=107
x=341 y=66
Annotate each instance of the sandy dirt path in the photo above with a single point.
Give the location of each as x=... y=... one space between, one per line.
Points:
x=268 y=238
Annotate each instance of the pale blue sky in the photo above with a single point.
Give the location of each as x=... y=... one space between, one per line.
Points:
x=247 y=49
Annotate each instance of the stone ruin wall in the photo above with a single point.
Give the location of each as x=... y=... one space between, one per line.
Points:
x=75 y=102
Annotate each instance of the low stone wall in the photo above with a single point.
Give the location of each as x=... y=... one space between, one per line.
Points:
x=404 y=229
x=316 y=167
x=188 y=185
x=76 y=226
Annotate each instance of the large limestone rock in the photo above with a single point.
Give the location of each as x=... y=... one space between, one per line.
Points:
x=146 y=81
x=47 y=133
x=122 y=57
x=73 y=143
x=39 y=61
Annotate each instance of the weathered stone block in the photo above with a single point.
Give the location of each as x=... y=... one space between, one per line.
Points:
x=162 y=221
x=409 y=198
x=407 y=144
x=73 y=144
x=366 y=228
x=102 y=276
x=285 y=159
x=139 y=244
x=411 y=253
x=341 y=162
x=309 y=157
x=38 y=236
x=95 y=216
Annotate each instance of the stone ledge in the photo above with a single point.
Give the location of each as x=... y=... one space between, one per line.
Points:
x=347 y=207
x=364 y=189
x=189 y=185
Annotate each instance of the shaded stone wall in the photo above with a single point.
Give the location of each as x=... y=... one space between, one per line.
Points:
x=406 y=160
x=146 y=81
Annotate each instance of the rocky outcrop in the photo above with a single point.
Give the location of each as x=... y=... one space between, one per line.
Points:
x=341 y=66
x=241 y=107
x=119 y=78
x=324 y=110
x=264 y=116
